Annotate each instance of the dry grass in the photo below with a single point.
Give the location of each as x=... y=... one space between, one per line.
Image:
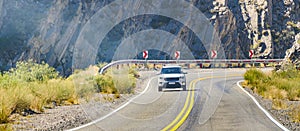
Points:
x=279 y=87
x=279 y=104
x=7 y=106
x=295 y=113
x=84 y=83
x=34 y=87
x=5 y=127
x=275 y=85
x=35 y=96
x=118 y=81
x=274 y=93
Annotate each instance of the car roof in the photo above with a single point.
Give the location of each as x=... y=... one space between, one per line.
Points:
x=171 y=66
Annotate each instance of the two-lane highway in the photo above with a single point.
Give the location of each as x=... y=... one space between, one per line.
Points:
x=212 y=102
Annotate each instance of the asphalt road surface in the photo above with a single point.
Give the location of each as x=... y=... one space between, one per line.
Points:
x=212 y=101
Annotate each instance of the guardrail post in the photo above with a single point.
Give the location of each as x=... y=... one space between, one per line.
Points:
x=212 y=63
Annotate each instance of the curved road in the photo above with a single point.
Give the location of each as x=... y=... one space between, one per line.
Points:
x=213 y=101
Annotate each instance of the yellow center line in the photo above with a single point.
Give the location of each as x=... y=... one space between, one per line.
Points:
x=182 y=111
x=188 y=110
x=189 y=103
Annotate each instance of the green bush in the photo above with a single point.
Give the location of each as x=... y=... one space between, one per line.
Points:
x=30 y=71
x=254 y=77
x=105 y=84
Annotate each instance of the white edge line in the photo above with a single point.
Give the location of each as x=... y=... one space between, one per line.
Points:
x=114 y=111
x=261 y=108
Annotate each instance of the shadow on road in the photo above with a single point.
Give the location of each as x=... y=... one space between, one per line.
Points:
x=181 y=90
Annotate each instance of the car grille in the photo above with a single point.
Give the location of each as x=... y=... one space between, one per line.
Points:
x=176 y=85
x=171 y=79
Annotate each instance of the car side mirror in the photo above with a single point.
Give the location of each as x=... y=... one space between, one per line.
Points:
x=184 y=72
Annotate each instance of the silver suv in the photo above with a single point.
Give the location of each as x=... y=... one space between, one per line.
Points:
x=171 y=77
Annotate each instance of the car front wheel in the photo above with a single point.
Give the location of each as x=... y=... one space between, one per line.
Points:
x=159 y=88
x=184 y=88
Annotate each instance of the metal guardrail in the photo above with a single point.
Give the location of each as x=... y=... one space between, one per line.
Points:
x=200 y=61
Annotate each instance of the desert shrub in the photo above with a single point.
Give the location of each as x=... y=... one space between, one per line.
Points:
x=7 y=81
x=30 y=86
x=289 y=73
x=133 y=71
x=6 y=106
x=30 y=71
x=84 y=82
x=55 y=90
x=121 y=81
x=105 y=84
x=125 y=84
x=254 y=77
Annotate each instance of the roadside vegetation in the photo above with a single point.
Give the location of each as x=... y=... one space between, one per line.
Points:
x=278 y=86
x=31 y=88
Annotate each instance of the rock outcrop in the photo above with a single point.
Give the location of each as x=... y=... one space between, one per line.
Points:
x=293 y=54
x=47 y=30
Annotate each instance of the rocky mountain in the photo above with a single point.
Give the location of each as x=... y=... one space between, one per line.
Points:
x=47 y=31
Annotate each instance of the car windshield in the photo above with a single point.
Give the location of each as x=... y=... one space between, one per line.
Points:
x=173 y=70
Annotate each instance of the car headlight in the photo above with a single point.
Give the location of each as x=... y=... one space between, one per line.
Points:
x=161 y=78
x=181 y=77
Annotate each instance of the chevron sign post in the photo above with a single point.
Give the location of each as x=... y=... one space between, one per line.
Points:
x=214 y=54
x=251 y=52
x=145 y=54
x=177 y=54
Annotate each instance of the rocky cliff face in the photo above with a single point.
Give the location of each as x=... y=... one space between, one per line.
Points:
x=47 y=30
x=293 y=54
